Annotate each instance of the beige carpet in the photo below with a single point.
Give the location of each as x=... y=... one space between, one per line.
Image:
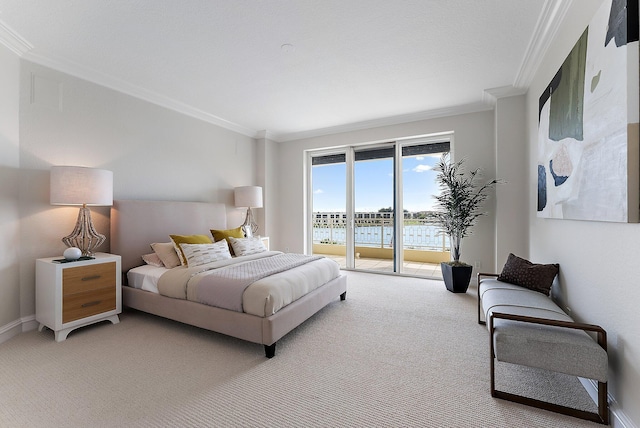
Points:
x=399 y=352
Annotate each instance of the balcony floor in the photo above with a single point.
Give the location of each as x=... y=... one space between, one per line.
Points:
x=429 y=270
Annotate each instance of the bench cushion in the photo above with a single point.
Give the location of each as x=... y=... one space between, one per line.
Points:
x=552 y=348
x=521 y=301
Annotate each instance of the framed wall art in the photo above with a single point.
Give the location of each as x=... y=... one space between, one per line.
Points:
x=588 y=150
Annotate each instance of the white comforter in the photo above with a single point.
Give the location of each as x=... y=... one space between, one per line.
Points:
x=264 y=297
x=268 y=295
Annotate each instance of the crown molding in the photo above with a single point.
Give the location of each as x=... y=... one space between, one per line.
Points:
x=552 y=15
x=127 y=88
x=490 y=96
x=386 y=121
x=13 y=41
x=266 y=135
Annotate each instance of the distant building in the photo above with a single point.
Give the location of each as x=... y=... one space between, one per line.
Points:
x=341 y=217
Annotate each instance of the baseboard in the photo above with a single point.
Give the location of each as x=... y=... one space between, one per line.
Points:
x=617 y=417
x=16 y=327
x=29 y=323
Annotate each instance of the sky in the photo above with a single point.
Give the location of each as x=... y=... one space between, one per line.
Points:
x=374 y=184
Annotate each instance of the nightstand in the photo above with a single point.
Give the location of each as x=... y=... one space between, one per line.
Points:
x=75 y=294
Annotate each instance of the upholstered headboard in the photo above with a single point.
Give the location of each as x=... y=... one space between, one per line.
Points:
x=137 y=224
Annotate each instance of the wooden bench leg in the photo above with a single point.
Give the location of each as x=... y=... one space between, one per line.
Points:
x=602 y=416
x=603 y=404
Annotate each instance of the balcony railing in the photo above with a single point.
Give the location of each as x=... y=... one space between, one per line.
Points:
x=418 y=234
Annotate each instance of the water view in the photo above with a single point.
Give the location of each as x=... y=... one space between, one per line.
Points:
x=372 y=180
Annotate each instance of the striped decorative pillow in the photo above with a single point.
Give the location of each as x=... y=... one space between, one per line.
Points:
x=187 y=239
x=247 y=246
x=199 y=254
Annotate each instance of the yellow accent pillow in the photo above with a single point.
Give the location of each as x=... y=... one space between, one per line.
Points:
x=187 y=239
x=219 y=235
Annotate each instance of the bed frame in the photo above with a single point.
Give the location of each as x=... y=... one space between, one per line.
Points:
x=136 y=224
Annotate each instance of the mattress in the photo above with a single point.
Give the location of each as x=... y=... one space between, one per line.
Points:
x=145 y=277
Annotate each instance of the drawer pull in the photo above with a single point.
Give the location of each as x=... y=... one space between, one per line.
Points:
x=95 y=302
x=91 y=278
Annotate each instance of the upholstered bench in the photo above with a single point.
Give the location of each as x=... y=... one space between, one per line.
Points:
x=528 y=328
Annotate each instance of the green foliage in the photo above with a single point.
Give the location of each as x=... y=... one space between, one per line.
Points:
x=459 y=202
x=389 y=210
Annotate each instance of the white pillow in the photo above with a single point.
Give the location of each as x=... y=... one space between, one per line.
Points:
x=199 y=254
x=247 y=246
x=153 y=259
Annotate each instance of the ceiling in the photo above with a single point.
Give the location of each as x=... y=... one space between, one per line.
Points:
x=287 y=69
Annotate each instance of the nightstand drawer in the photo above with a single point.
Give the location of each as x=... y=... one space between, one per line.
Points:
x=86 y=278
x=82 y=305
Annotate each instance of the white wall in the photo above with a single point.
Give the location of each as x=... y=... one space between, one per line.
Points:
x=267 y=171
x=9 y=213
x=473 y=140
x=598 y=261
x=512 y=234
x=154 y=153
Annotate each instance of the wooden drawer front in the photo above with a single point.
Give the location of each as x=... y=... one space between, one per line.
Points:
x=82 y=305
x=87 y=278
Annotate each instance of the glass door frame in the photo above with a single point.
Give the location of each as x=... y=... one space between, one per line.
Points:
x=398 y=209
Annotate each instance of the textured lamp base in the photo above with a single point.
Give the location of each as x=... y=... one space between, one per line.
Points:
x=84 y=235
x=250 y=227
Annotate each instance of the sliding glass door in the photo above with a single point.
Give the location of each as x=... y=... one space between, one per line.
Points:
x=329 y=206
x=423 y=246
x=374 y=202
x=369 y=205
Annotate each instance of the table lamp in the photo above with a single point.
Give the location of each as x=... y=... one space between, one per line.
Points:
x=249 y=197
x=75 y=185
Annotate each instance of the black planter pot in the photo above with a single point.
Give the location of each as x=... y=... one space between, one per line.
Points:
x=456 y=278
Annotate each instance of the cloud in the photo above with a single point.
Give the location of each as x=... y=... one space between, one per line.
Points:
x=422 y=168
x=317 y=192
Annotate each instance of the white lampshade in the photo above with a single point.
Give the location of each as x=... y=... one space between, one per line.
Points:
x=76 y=185
x=248 y=196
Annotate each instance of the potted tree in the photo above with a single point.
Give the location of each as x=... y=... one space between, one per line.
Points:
x=458 y=207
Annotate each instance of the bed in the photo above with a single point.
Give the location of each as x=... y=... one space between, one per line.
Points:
x=136 y=224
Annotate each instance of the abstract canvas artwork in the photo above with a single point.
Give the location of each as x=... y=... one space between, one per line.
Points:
x=588 y=150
